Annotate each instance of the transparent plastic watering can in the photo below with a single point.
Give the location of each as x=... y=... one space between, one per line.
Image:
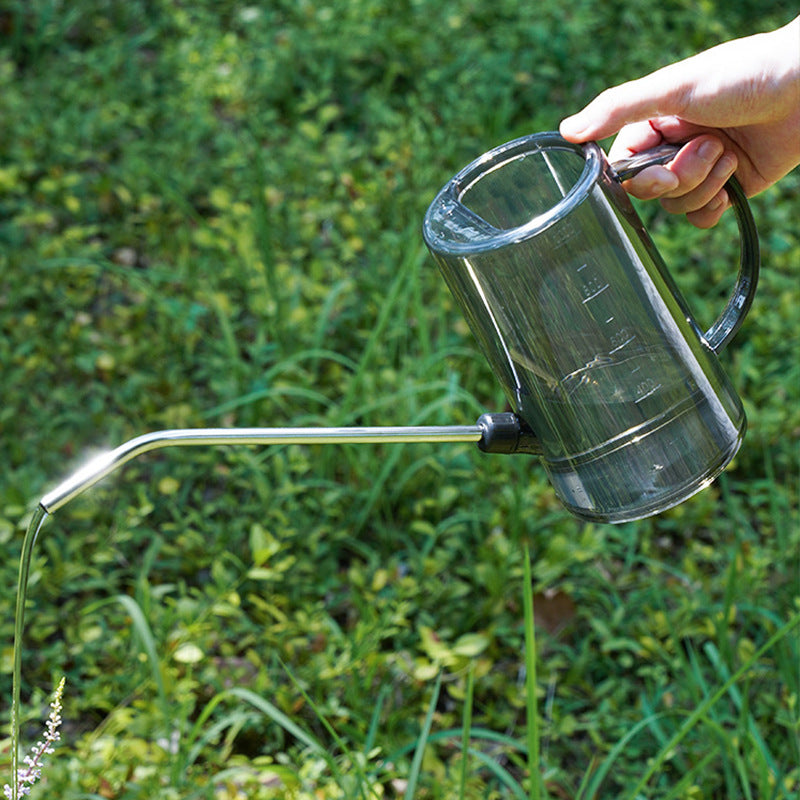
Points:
x=580 y=320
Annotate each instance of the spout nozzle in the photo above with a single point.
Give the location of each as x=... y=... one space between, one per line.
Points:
x=506 y=433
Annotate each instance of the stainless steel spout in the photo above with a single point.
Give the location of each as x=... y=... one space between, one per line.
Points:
x=106 y=463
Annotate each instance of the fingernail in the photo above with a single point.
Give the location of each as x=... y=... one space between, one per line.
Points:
x=710 y=150
x=571 y=126
x=665 y=181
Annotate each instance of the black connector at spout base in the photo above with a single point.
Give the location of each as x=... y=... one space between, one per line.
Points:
x=506 y=433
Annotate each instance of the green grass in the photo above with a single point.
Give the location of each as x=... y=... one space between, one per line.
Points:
x=210 y=215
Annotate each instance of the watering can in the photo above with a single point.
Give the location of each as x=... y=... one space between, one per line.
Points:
x=609 y=377
x=599 y=356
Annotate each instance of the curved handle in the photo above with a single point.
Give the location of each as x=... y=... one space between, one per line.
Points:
x=729 y=322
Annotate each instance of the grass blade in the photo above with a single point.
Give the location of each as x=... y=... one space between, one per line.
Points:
x=591 y=789
x=715 y=658
x=467 y=725
x=416 y=763
x=532 y=725
x=372 y=733
x=145 y=634
x=356 y=762
x=277 y=716
x=500 y=773
x=679 y=790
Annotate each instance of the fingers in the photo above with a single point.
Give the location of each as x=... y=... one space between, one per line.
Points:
x=692 y=183
x=709 y=215
x=702 y=172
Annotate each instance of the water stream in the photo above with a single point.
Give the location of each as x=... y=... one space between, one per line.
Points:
x=37 y=520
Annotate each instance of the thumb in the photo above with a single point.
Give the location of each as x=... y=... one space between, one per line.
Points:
x=655 y=95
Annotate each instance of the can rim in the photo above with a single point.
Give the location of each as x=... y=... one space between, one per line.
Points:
x=438 y=234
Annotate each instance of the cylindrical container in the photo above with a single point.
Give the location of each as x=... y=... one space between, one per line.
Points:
x=581 y=322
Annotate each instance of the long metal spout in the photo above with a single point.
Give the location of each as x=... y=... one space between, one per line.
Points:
x=105 y=463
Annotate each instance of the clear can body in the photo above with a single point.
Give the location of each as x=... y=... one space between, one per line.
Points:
x=581 y=322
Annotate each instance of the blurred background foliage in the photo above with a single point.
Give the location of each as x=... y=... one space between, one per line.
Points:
x=210 y=215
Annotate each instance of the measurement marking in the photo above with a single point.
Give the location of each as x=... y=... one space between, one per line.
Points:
x=620 y=346
x=592 y=296
x=582 y=267
x=610 y=319
x=651 y=392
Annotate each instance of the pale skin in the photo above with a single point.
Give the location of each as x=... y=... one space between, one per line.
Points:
x=736 y=107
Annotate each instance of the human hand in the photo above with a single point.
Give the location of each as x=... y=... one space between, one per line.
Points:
x=737 y=108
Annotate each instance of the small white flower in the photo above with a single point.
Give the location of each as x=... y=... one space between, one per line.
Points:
x=27 y=777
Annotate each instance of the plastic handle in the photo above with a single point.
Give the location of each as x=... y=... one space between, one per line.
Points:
x=729 y=322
